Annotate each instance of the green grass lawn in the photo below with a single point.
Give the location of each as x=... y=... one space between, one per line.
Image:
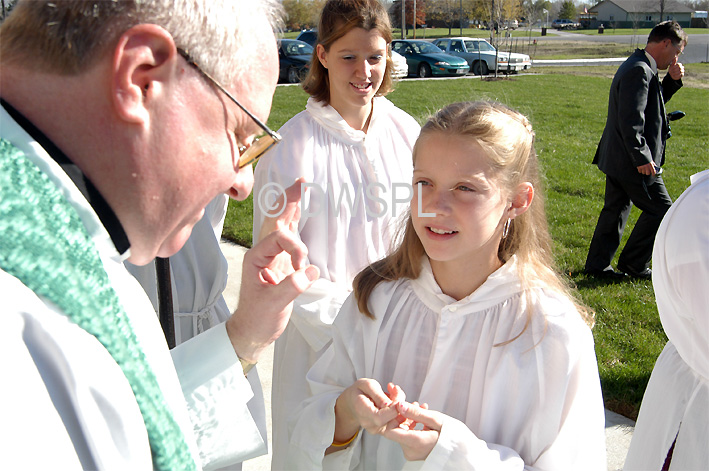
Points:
x=568 y=113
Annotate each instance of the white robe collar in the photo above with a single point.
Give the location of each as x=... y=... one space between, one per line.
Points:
x=499 y=286
x=330 y=119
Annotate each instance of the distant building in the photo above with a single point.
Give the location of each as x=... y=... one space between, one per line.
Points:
x=639 y=13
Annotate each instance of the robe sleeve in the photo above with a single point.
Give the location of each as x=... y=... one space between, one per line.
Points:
x=313 y=424
x=217 y=393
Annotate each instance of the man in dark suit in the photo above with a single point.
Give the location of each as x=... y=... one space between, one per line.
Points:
x=631 y=153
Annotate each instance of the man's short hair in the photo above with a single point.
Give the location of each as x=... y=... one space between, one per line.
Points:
x=69 y=36
x=669 y=29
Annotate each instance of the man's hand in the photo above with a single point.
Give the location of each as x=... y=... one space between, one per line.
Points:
x=676 y=70
x=647 y=169
x=289 y=216
x=274 y=273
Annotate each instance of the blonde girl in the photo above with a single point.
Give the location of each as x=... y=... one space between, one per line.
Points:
x=468 y=318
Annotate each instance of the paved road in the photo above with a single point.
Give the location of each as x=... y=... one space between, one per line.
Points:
x=697 y=49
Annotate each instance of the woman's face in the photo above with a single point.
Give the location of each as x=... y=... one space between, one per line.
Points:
x=356 y=64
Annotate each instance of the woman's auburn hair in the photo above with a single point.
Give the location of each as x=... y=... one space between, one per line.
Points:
x=338 y=18
x=507 y=138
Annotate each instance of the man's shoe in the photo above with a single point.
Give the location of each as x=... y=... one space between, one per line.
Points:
x=645 y=274
x=608 y=273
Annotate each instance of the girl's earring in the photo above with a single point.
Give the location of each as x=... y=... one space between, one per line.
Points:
x=506 y=228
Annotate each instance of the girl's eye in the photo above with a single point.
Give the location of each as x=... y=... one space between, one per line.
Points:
x=464 y=188
x=376 y=58
x=348 y=58
x=421 y=183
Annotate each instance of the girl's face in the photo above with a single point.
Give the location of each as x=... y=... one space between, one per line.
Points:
x=458 y=210
x=356 y=64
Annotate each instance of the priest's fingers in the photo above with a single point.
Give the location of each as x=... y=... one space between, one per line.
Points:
x=284 y=213
x=267 y=292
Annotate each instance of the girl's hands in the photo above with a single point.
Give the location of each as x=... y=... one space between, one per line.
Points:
x=416 y=444
x=365 y=405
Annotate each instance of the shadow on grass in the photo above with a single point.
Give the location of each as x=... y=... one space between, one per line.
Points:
x=586 y=281
x=623 y=395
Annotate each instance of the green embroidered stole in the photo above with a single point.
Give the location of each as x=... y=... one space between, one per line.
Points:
x=44 y=244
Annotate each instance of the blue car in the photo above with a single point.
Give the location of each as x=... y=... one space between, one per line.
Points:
x=293 y=59
x=426 y=60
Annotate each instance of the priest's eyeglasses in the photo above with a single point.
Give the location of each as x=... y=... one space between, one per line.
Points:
x=259 y=146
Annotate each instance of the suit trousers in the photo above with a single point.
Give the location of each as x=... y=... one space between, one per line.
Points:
x=653 y=200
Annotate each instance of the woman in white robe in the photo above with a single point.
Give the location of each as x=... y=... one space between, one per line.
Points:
x=674 y=414
x=468 y=319
x=347 y=143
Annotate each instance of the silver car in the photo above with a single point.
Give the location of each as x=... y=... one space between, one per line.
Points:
x=480 y=55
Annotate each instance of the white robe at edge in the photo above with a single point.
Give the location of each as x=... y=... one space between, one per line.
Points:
x=319 y=145
x=65 y=400
x=532 y=404
x=676 y=401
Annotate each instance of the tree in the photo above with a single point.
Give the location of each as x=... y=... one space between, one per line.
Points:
x=568 y=11
x=302 y=13
x=534 y=10
x=395 y=12
x=443 y=12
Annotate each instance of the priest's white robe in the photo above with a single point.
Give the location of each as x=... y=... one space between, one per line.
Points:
x=66 y=401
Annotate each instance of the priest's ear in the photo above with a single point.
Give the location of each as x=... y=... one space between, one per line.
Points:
x=144 y=62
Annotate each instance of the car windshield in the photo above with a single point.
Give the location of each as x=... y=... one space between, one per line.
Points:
x=472 y=46
x=297 y=49
x=425 y=48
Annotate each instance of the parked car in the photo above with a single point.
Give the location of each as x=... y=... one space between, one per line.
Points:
x=293 y=59
x=401 y=68
x=511 y=24
x=564 y=24
x=480 y=55
x=425 y=59
x=309 y=36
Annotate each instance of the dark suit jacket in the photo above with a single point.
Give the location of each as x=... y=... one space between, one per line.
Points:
x=636 y=128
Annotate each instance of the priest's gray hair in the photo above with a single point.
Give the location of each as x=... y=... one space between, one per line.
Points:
x=68 y=36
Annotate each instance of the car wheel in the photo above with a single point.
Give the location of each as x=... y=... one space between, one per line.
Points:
x=424 y=70
x=293 y=75
x=480 y=68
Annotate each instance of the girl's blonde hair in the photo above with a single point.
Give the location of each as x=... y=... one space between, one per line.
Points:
x=507 y=139
x=338 y=18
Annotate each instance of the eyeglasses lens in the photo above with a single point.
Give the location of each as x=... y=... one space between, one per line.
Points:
x=256 y=150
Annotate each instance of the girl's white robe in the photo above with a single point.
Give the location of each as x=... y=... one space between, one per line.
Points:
x=375 y=170
x=534 y=403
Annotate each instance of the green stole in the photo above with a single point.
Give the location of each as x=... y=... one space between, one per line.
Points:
x=44 y=244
